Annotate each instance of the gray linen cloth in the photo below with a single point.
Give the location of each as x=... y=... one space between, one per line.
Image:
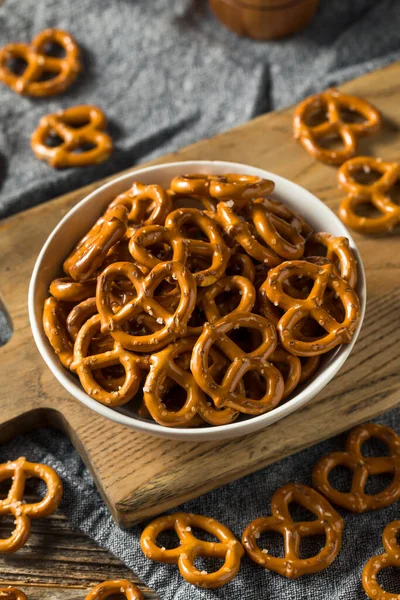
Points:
x=167 y=74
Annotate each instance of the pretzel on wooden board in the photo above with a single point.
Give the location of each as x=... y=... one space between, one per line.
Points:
x=183 y=245
x=77 y=127
x=115 y=587
x=357 y=500
x=297 y=309
x=19 y=471
x=328 y=523
x=390 y=558
x=12 y=593
x=375 y=194
x=184 y=555
x=333 y=103
x=38 y=62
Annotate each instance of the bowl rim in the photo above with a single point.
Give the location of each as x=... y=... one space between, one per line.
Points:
x=209 y=433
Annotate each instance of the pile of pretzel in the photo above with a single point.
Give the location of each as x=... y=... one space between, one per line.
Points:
x=233 y=301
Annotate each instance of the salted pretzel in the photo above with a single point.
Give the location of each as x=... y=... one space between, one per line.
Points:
x=228 y=285
x=376 y=194
x=54 y=325
x=357 y=500
x=174 y=324
x=333 y=103
x=338 y=252
x=297 y=309
x=241 y=264
x=183 y=245
x=226 y=394
x=164 y=365
x=309 y=366
x=184 y=555
x=290 y=367
x=19 y=471
x=38 y=62
x=239 y=190
x=67 y=289
x=327 y=523
x=79 y=128
x=196 y=187
x=12 y=593
x=391 y=558
x=146 y=205
x=90 y=253
x=84 y=364
x=115 y=587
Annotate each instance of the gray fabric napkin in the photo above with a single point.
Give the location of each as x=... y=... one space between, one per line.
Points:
x=167 y=74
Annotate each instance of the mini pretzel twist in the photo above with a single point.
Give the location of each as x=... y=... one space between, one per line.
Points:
x=54 y=325
x=174 y=324
x=38 y=62
x=327 y=523
x=376 y=194
x=338 y=252
x=90 y=253
x=19 y=471
x=226 y=393
x=68 y=290
x=333 y=103
x=239 y=189
x=146 y=205
x=163 y=367
x=190 y=547
x=297 y=309
x=183 y=245
x=391 y=558
x=227 y=284
x=11 y=593
x=113 y=588
x=195 y=186
x=77 y=127
x=290 y=368
x=357 y=500
x=85 y=363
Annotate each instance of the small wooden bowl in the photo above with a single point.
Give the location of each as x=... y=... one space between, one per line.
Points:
x=264 y=19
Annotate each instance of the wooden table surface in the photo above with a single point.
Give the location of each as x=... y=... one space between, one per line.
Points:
x=59 y=563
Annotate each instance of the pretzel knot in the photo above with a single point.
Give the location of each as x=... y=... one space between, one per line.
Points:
x=376 y=193
x=182 y=244
x=297 y=309
x=190 y=547
x=79 y=128
x=239 y=189
x=327 y=523
x=333 y=104
x=391 y=558
x=115 y=588
x=146 y=205
x=338 y=252
x=12 y=593
x=174 y=324
x=38 y=62
x=227 y=393
x=357 y=500
x=19 y=471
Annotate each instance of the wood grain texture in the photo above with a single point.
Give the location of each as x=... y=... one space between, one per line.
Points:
x=59 y=563
x=153 y=474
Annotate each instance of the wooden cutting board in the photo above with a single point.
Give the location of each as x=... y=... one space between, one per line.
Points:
x=140 y=476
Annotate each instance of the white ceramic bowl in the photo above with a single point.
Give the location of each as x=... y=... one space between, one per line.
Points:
x=77 y=222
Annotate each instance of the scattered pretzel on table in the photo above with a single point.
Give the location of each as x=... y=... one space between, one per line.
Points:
x=115 y=587
x=357 y=500
x=12 y=593
x=19 y=470
x=175 y=302
x=328 y=523
x=38 y=62
x=81 y=130
x=332 y=103
x=184 y=555
x=375 y=194
x=391 y=558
